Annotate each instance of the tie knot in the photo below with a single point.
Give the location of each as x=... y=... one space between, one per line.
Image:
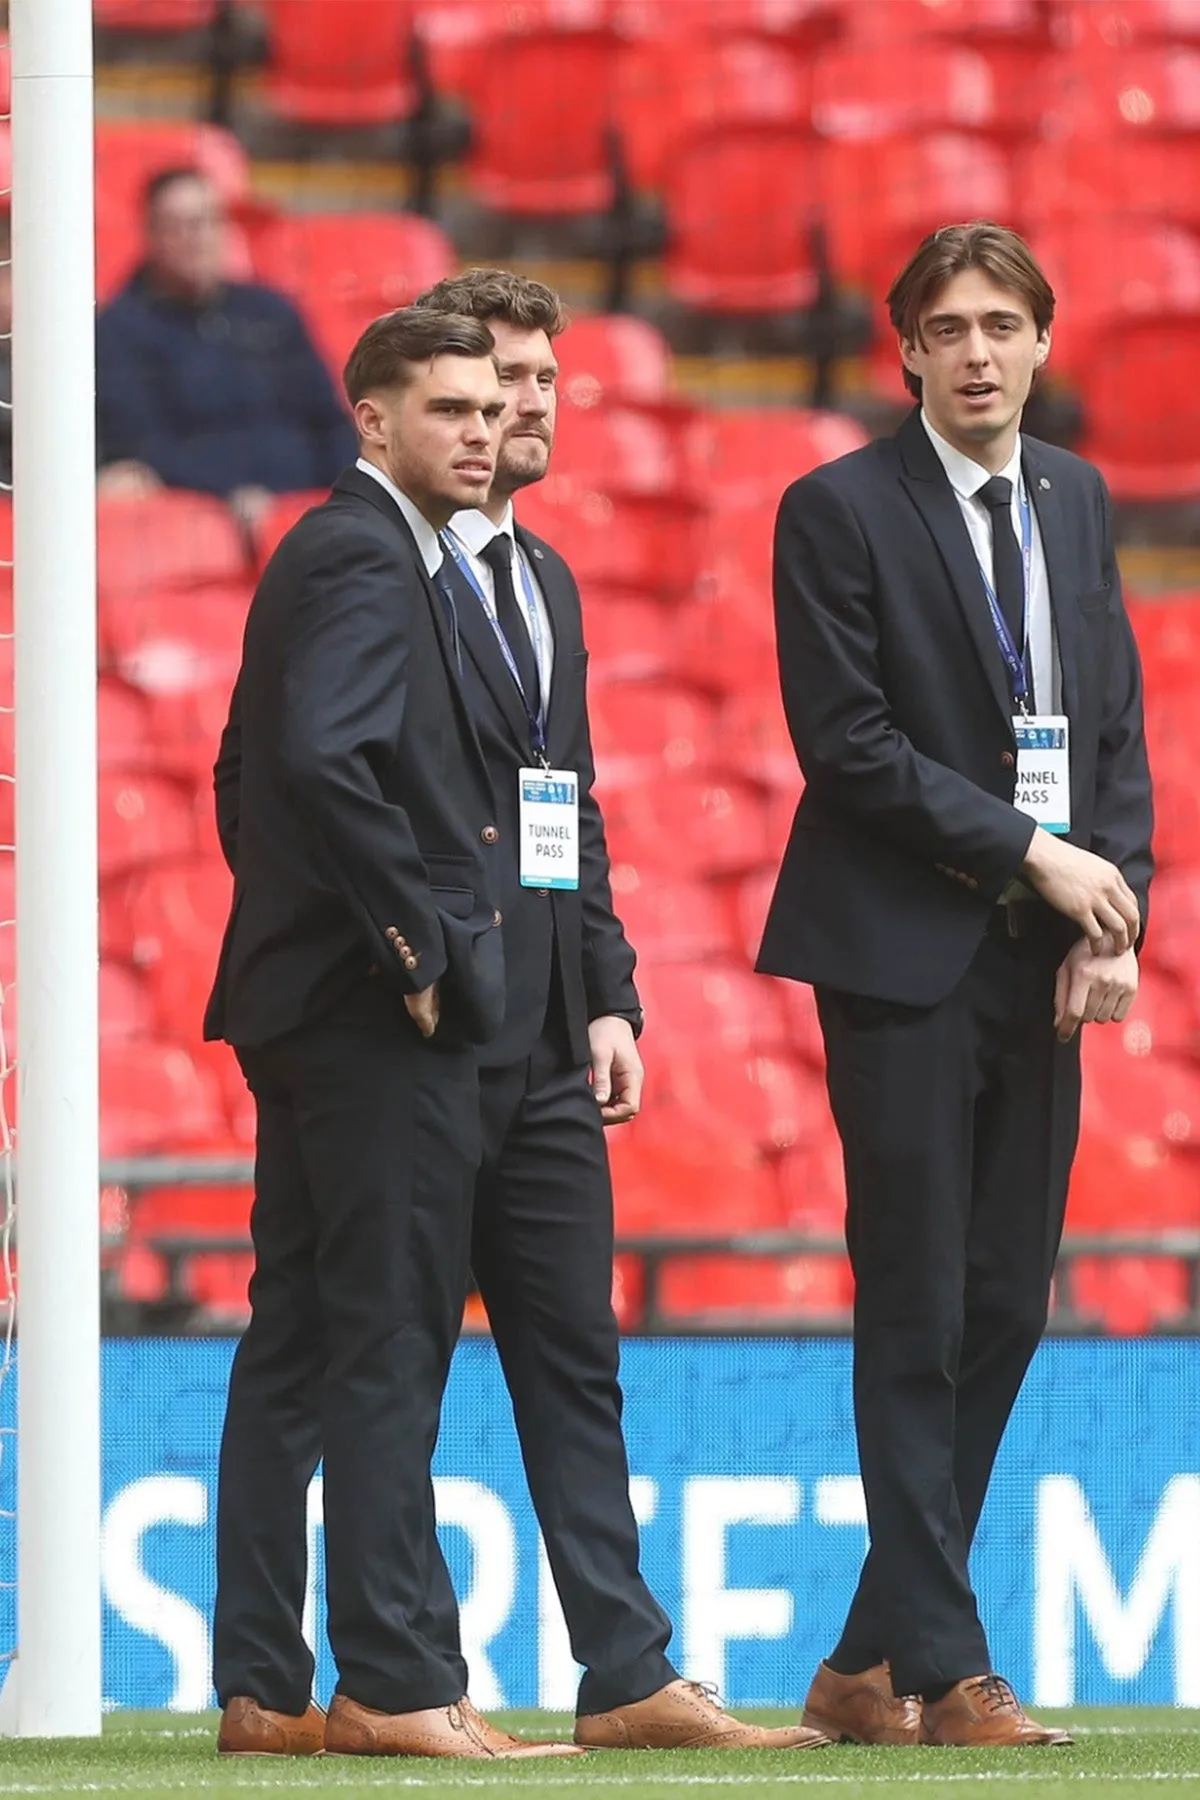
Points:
x=498 y=554
x=996 y=493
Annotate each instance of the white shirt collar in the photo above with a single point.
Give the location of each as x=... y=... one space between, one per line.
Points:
x=475 y=530
x=965 y=475
x=428 y=542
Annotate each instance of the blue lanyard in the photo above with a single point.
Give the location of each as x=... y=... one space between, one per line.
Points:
x=1016 y=662
x=537 y=730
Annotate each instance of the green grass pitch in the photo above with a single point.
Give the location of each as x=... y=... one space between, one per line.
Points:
x=1117 y=1754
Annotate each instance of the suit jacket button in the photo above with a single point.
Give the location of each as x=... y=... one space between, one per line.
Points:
x=543 y=893
x=410 y=962
x=497 y=917
x=490 y=835
x=391 y=934
x=1007 y=759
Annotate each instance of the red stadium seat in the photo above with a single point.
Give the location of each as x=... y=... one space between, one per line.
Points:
x=645 y=730
x=1163 y=1020
x=124 y=735
x=1100 y=27
x=1128 y=1296
x=214 y=1281
x=126 y=1009
x=340 y=62
x=723 y=1005
x=683 y=1182
x=1150 y=1104
x=187 y=732
x=345 y=269
x=986 y=21
x=724 y=1290
x=171 y=539
x=606 y=360
x=1146 y=177
x=154 y=1097
x=1142 y=92
x=725 y=643
x=1112 y=275
x=1167 y=629
x=775 y=1102
x=629 y=636
x=1145 y=441
x=154 y=15
x=541 y=133
x=728 y=251
x=697 y=826
x=669 y=920
x=812 y=1181
x=1131 y=1186
x=619 y=451
x=143 y=819
x=176 y=917
x=285 y=511
x=754 y=741
x=880 y=92
x=738 y=551
x=629 y=542
x=880 y=201
x=743 y=458
x=169 y=644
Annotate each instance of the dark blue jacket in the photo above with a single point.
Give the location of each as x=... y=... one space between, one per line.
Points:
x=217 y=396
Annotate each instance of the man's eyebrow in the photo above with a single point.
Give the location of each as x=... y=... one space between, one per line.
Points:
x=950 y=318
x=520 y=367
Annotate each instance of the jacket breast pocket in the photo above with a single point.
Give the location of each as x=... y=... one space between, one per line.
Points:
x=458 y=901
x=1096 y=600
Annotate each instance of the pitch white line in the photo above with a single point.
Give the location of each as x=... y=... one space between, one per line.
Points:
x=195 y=1781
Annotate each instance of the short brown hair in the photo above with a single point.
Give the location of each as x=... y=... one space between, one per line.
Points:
x=487 y=294
x=1000 y=252
x=391 y=346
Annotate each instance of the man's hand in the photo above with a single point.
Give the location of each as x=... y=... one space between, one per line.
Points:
x=1085 y=888
x=1093 y=988
x=617 y=1072
x=251 y=505
x=425 y=1008
x=127 y=480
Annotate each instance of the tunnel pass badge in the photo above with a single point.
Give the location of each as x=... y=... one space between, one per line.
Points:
x=549 y=828
x=1044 y=770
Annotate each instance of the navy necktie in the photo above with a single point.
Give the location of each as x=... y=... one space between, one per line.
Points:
x=1008 y=577
x=498 y=556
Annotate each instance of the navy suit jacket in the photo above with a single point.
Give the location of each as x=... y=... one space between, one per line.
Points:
x=899 y=707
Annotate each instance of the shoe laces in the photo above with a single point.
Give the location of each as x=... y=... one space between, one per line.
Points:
x=995 y=1693
x=707 y=1691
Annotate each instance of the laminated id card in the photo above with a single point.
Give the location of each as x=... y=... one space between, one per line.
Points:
x=1044 y=770
x=549 y=828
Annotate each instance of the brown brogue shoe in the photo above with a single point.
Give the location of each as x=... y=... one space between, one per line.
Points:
x=685 y=1715
x=984 y=1710
x=248 y=1729
x=458 y=1730
x=861 y=1709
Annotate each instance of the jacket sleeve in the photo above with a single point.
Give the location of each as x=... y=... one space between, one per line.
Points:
x=347 y=667
x=855 y=760
x=1123 y=820
x=227 y=781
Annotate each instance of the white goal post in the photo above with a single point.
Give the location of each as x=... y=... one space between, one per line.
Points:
x=57 y=1676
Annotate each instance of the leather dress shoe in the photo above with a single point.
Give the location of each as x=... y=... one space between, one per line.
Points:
x=861 y=1709
x=685 y=1715
x=983 y=1710
x=458 y=1730
x=248 y=1729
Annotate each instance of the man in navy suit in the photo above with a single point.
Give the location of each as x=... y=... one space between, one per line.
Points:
x=965 y=885
x=564 y=1066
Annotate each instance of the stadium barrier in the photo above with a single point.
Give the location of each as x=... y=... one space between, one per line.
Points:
x=743 y=1477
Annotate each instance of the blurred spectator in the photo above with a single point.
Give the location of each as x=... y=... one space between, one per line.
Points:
x=5 y=353
x=208 y=383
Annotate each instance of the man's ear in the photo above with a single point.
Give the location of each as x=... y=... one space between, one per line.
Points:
x=1042 y=349
x=369 y=419
x=908 y=355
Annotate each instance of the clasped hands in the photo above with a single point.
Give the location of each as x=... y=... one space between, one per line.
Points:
x=1098 y=978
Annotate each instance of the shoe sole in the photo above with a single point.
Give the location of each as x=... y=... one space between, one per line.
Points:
x=284 y=1755
x=835 y=1735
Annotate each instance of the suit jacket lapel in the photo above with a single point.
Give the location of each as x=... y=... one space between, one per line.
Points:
x=1059 y=573
x=926 y=481
x=479 y=643
x=355 y=482
x=557 y=605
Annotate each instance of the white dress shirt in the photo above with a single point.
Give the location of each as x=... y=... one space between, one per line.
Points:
x=428 y=542
x=966 y=478
x=473 y=532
